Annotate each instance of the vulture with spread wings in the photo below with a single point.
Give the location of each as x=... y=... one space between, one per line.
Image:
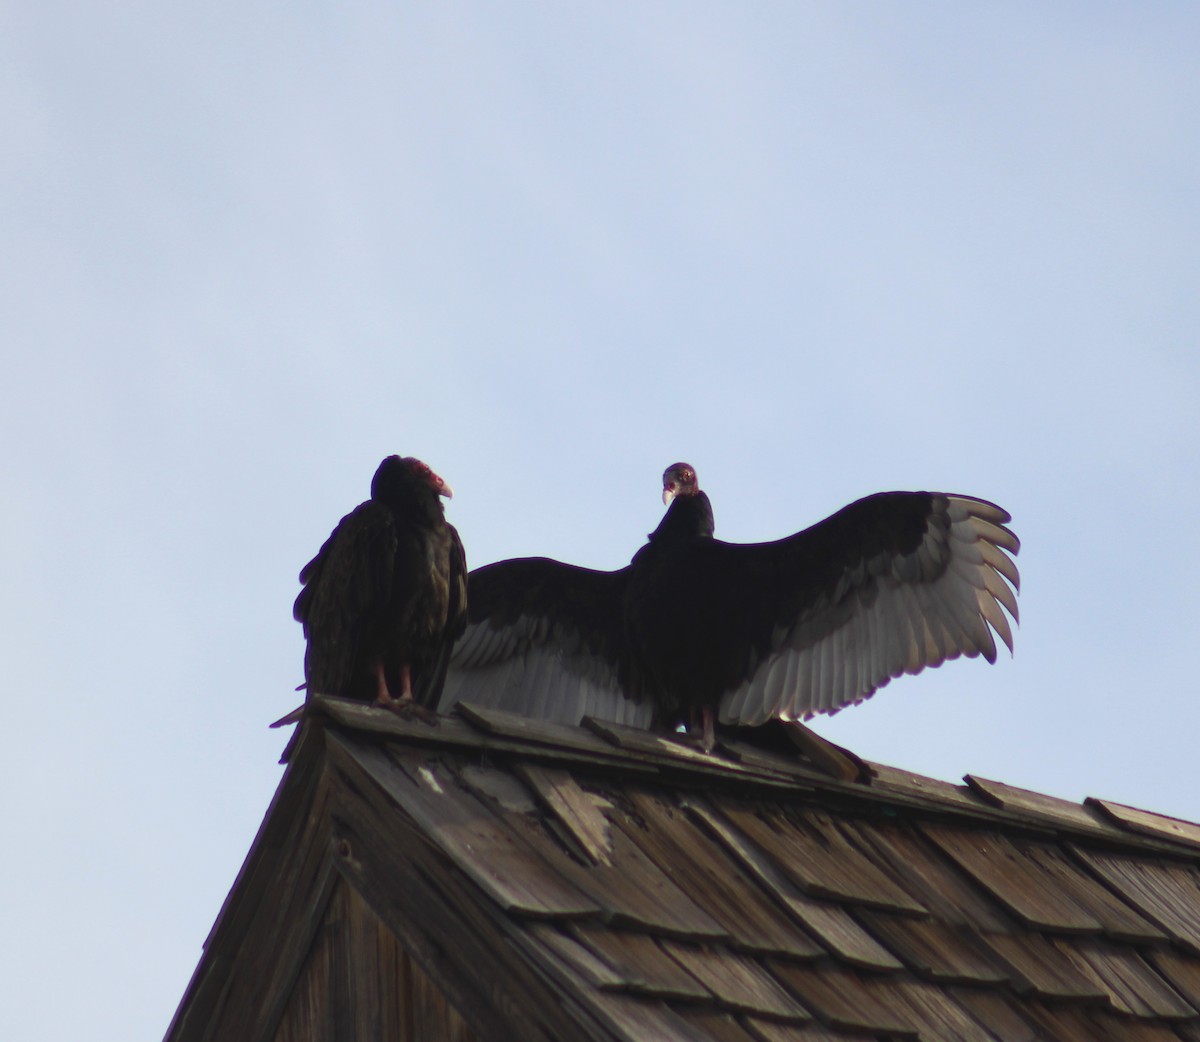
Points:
x=385 y=597
x=696 y=628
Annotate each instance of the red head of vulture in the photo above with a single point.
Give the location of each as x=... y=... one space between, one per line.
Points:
x=696 y=628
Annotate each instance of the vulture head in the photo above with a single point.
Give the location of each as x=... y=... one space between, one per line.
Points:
x=679 y=479
x=396 y=475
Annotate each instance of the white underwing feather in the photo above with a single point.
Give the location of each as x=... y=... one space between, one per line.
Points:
x=990 y=610
x=995 y=534
x=999 y=589
x=995 y=558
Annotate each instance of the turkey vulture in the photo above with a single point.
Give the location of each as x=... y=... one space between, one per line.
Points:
x=695 y=627
x=385 y=597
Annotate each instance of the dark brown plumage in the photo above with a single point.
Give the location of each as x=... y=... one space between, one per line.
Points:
x=695 y=627
x=385 y=597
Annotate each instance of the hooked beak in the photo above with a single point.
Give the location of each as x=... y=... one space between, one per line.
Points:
x=440 y=486
x=669 y=493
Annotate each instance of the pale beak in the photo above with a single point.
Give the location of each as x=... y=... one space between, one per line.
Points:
x=669 y=493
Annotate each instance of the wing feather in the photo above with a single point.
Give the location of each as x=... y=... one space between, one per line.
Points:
x=1001 y=591
x=543 y=639
x=345 y=585
x=996 y=559
x=990 y=610
x=907 y=613
x=892 y=584
x=831 y=673
x=428 y=686
x=845 y=694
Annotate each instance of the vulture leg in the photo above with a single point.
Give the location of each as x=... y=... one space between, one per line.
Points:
x=704 y=725
x=707 y=739
x=405 y=705
x=383 y=697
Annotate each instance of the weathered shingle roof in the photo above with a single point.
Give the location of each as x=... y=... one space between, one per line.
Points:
x=560 y=883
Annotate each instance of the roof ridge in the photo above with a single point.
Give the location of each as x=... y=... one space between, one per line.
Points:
x=606 y=746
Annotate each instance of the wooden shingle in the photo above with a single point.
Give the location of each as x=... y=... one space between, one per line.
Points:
x=1132 y=985
x=931 y=876
x=829 y=923
x=998 y=1011
x=935 y=950
x=1147 y=821
x=773 y=1031
x=842 y=999
x=736 y=981
x=627 y=886
x=1181 y=971
x=643 y=966
x=711 y=876
x=1037 y=967
x=1026 y=889
x=807 y=848
x=517 y=879
x=1164 y=891
x=930 y=1011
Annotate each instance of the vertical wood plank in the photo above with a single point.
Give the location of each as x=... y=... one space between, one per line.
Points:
x=358 y=984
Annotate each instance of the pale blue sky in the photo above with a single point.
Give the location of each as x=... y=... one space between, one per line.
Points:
x=817 y=250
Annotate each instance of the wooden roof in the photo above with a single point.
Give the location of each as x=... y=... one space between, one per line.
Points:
x=560 y=882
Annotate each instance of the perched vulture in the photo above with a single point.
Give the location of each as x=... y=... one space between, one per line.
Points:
x=385 y=597
x=695 y=627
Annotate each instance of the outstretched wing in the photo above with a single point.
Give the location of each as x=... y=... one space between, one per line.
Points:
x=891 y=584
x=546 y=640
x=346 y=587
